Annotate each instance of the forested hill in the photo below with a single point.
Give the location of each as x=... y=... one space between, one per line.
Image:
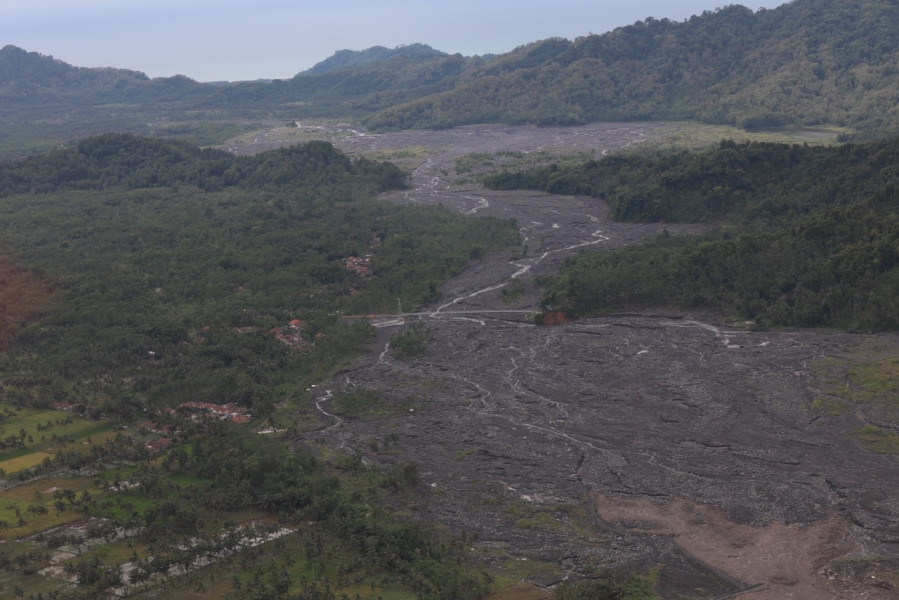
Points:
x=353 y=58
x=809 y=237
x=29 y=78
x=806 y=62
x=369 y=82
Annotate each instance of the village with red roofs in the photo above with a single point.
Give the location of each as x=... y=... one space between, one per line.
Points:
x=195 y=411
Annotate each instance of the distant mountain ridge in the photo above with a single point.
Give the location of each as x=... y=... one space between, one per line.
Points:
x=354 y=84
x=807 y=62
x=30 y=77
x=804 y=63
x=355 y=58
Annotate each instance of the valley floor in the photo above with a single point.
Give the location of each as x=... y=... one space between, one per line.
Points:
x=629 y=441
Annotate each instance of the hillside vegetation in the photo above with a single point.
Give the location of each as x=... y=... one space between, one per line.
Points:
x=343 y=59
x=174 y=266
x=807 y=62
x=29 y=80
x=353 y=91
x=809 y=236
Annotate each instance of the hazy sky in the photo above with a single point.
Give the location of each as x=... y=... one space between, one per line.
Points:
x=233 y=40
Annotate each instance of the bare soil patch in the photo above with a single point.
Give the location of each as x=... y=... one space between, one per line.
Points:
x=788 y=558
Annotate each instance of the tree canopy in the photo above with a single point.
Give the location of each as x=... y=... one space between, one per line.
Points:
x=804 y=63
x=182 y=274
x=806 y=236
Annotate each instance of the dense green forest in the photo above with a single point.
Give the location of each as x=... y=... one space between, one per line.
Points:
x=807 y=236
x=766 y=181
x=806 y=62
x=171 y=267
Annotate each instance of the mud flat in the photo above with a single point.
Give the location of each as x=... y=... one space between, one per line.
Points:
x=629 y=441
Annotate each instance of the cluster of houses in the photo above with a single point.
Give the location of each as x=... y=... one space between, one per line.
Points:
x=195 y=411
x=222 y=412
x=291 y=334
x=157 y=446
x=361 y=265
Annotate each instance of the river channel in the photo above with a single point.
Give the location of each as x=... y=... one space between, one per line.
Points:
x=661 y=439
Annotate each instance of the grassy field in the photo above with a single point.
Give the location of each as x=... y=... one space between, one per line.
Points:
x=878 y=440
x=861 y=378
x=870 y=376
x=31 y=437
x=26 y=433
x=26 y=461
x=469 y=168
x=32 y=507
x=688 y=134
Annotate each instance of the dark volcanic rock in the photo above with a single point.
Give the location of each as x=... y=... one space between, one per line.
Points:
x=627 y=441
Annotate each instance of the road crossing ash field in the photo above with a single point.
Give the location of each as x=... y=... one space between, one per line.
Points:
x=627 y=441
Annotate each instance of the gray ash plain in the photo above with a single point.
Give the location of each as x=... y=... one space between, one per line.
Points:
x=627 y=441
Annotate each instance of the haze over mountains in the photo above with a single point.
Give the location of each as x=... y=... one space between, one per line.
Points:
x=809 y=62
